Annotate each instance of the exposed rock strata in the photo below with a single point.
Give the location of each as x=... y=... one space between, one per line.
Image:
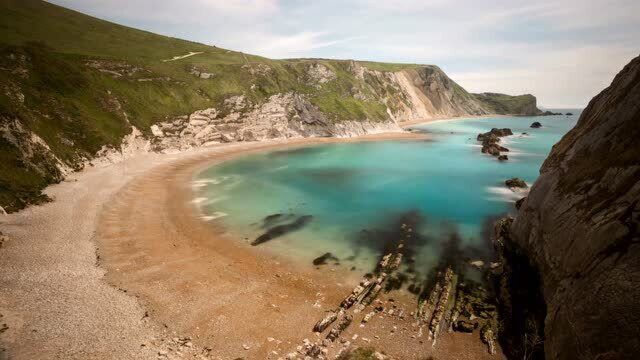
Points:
x=579 y=227
x=282 y=116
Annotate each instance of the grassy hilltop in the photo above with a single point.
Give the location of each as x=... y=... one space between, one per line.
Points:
x=79 y=83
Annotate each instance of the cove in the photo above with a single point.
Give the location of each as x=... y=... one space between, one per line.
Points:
x=350 y=199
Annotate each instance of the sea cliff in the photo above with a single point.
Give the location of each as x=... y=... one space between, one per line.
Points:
x=579 y=228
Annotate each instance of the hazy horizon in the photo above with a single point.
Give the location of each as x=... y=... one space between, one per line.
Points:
x=564 y=54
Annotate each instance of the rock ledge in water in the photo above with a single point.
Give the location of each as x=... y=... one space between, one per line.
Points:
x=516 y=183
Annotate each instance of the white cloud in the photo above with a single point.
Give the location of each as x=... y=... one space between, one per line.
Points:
x=560 y=78
x=293 y=45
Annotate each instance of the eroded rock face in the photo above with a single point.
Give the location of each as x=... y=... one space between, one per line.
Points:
x=580 y=227
x=288 y=115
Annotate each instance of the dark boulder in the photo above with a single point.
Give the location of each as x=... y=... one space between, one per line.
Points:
x=569 y=114
x=465 y=326
x=536 y=125
x=495 y=132
x=501 y=132
x=490 y=141
x=516 y=183
x=503 y=157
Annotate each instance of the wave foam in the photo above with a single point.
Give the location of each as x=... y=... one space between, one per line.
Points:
x=505 y=194
x=213 y=216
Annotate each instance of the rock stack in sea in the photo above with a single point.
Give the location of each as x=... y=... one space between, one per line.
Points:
x=490 y=142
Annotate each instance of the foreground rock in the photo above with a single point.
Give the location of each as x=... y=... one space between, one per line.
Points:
x=580 y=229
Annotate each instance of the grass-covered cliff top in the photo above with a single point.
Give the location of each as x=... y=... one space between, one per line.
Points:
x=80 y=83
x=509 y=104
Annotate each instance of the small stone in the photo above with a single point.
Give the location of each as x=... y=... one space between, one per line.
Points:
x=246 y=347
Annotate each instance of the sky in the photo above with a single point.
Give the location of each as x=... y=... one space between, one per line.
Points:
x=562 y=51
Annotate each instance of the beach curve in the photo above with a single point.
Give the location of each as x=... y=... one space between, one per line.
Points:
x=185 y=277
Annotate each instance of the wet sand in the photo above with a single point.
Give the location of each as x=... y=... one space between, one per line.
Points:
x=120 y=265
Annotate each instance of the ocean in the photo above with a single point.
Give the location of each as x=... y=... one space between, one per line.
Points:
x=350 y=199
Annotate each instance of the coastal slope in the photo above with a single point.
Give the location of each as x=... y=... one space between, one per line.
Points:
x=76 y=90
x=579 y=226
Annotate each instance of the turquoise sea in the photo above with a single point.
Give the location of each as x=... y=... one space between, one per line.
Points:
x=350 y=199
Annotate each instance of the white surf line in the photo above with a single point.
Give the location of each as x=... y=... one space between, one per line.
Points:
x=505 y=194
x=182 y=56
x=213 y=216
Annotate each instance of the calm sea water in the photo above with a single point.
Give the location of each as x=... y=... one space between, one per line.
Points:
x=358 y=194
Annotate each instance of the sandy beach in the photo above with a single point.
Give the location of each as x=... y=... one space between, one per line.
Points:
x=119 y=265
x=409 y=123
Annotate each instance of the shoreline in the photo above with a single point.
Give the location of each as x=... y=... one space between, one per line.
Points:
x=162 y=273
x=405 y=124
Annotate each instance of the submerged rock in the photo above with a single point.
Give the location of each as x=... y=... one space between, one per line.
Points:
x=322 y=259
x=503 y=158
x=283 y=229
x=536 y=125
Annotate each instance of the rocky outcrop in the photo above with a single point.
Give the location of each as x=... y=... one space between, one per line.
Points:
x=495 y=103
x=282 y=116
x=490 y=142
x=536 y=125
x=430 y=93
x=515 y=183
x=579 y=226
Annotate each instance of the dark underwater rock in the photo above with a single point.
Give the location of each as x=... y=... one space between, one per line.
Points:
x=324 y=258
x=283 y=229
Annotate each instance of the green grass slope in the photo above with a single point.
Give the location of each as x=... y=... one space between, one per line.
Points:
x=79 y=83
x=49 y=88
x=508 y=104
